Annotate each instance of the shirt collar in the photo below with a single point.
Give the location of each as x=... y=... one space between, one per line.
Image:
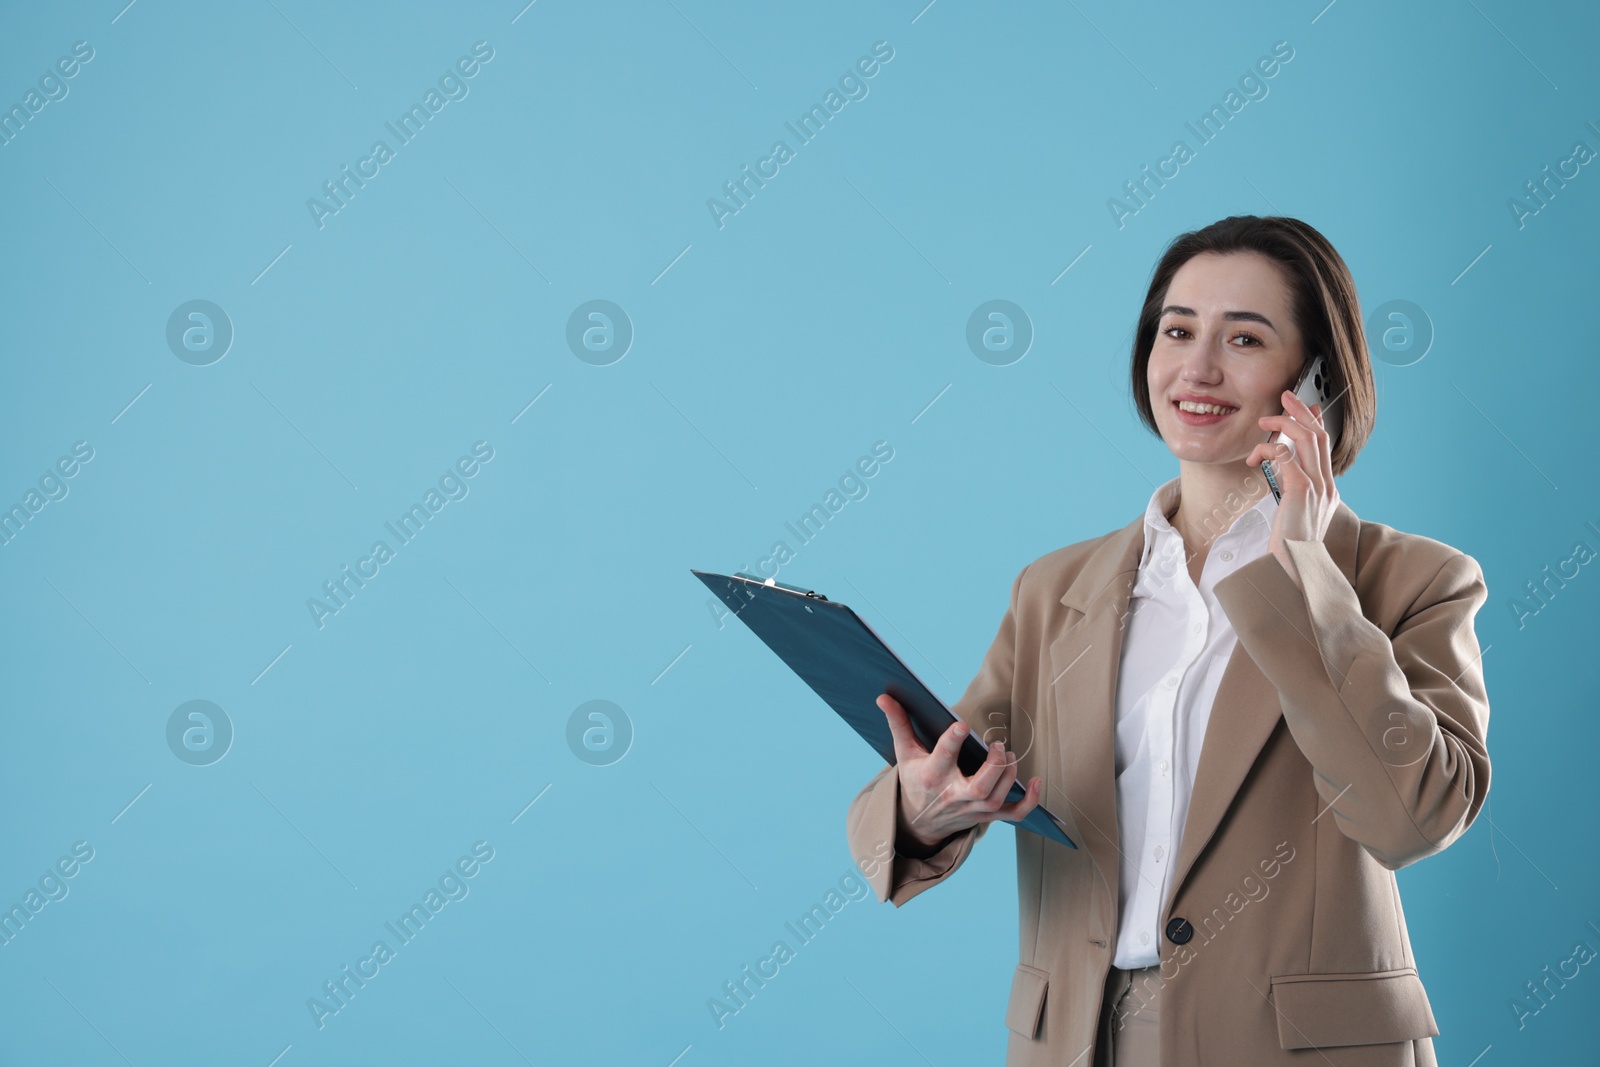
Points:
x=1165 y=499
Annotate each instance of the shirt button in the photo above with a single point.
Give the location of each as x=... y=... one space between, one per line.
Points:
x=1144 y=939
x=1198 y=627
x=1159 y=852
x=1163 y=766
x=1172 y=680
x=1226 y=555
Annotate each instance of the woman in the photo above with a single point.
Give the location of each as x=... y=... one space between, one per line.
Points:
x=1245 y=744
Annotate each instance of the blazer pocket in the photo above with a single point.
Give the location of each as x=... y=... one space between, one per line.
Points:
x=1026 y=1007
x=1358 y=1008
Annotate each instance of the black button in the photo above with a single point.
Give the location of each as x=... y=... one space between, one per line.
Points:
x=1179 y=931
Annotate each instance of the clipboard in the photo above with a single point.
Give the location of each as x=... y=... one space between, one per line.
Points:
x=847 y=664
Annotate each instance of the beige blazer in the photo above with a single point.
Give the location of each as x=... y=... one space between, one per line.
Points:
x=1347 y=740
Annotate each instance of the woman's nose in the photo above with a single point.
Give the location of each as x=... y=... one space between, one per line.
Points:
x=1200 y=361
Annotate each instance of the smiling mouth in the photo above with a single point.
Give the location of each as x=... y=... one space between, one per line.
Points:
x=1194 y=408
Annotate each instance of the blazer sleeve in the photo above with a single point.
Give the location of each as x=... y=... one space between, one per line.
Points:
x=873 y=818
x=1394 y=726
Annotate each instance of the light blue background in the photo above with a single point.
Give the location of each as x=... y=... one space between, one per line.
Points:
x=770 y=354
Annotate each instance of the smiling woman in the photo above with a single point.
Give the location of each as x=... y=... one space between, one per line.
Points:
x=1309 y=684
x=1263 y=317
x=1231 y=318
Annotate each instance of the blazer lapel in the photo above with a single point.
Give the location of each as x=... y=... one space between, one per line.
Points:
x=1086 y=656
x=1244 y=714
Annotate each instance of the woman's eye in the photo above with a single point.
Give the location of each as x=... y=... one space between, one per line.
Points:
x=1176 y=331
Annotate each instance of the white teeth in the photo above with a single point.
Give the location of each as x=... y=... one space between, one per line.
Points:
x=1204 y=409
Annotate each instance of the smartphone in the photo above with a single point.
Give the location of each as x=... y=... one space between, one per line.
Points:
x=1314 y=386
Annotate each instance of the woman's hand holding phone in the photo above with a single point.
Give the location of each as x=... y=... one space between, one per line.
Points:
x=936 y=799
x=1304 y=467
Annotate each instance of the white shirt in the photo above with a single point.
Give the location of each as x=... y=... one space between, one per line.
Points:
x=1175 y=648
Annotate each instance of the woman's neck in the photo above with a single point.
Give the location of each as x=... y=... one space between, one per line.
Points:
x=1211 y=497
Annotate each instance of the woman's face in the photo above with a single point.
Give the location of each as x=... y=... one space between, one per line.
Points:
x=1225 y=333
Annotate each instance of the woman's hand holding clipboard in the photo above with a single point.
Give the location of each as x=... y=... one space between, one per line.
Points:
x=937 y=801
x=849 y=666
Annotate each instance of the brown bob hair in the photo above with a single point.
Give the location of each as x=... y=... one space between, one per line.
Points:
x=1324 y=304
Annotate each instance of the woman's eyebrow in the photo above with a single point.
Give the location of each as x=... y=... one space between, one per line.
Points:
x=1236 y=316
